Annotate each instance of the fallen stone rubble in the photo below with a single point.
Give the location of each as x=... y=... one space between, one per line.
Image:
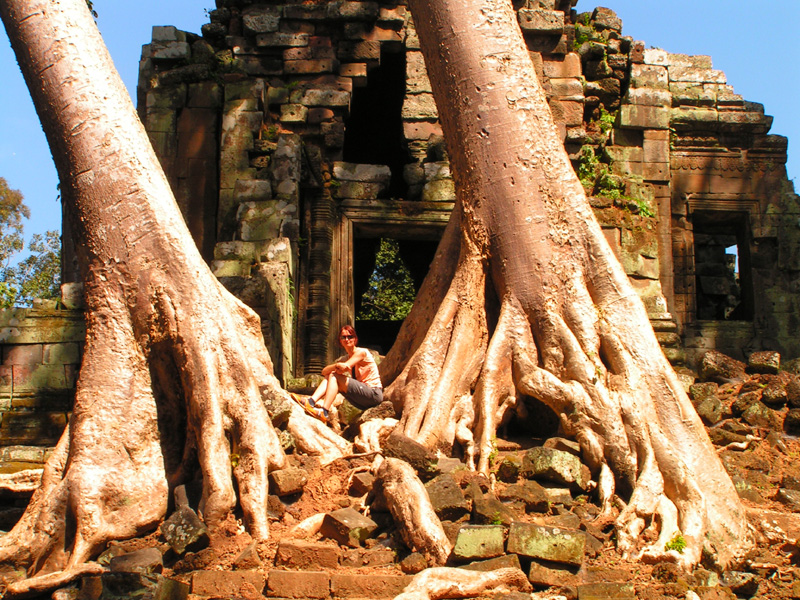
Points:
x=536 y=513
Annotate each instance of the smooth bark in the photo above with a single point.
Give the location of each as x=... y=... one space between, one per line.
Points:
x=174 y=367
x=412 y=510
x=524 y=299
x=445 y=582
x=538 y=305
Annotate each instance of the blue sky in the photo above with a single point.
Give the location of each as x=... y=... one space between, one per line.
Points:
x=752 y=44
x=25 y=159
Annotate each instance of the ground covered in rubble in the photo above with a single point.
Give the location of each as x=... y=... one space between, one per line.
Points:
x=761 y=470
x=332 y=536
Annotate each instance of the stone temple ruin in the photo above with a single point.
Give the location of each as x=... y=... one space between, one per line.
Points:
x=297 y=135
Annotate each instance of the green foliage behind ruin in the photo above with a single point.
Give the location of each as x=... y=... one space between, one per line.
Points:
x=390 y=294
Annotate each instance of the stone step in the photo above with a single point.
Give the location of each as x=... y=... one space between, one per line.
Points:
x=664 y=325
x=278 y=583
x=667 y=339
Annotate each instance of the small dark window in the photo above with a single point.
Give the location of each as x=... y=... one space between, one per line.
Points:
x=374 y=130
x=722 y=266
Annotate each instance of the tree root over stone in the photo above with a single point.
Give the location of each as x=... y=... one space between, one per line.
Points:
x=412 y=510
x=638 y=432
x=314 y=438
x=582 y=346
x=445 y=582
x=149 y=411
x=175 y=371
x=525 y=299
x=22 y=482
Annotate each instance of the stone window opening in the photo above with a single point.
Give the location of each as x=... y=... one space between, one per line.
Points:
x=722 y=266
x=374 y=129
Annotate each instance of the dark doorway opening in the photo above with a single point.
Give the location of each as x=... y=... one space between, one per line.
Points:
x=722 y=265
x=387 y=274
x=374 y=130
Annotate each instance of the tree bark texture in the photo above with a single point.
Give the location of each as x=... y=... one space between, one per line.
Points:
x=412 y=510
x=530 y=301
x=174 y=367
x=446 y=582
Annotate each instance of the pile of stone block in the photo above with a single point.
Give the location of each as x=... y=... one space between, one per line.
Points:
x=41 y=355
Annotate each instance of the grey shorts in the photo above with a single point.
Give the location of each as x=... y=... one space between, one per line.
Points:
x=363 y=396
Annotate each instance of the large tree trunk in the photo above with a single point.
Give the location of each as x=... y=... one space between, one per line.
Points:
x=174 y=367
x=530 y=301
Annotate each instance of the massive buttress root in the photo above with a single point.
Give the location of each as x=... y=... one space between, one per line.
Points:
x=175 y=369
x=537 y=305
x=150 y=409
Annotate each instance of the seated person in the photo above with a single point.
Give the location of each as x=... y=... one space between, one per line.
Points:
x=356 y=378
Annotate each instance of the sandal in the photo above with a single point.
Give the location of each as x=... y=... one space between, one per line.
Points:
x=308 y=404
x=320 y=413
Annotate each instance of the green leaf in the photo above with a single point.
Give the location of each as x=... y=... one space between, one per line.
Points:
x=391 y=293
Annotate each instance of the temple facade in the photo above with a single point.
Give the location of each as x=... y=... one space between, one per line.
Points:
x=296 y=135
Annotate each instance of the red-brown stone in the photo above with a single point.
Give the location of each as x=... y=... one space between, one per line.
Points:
x=221 y=584
x=300 y=554
x=294 y=584
x=386 y=585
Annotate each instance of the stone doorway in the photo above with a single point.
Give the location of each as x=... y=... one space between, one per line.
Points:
x=417 y=230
